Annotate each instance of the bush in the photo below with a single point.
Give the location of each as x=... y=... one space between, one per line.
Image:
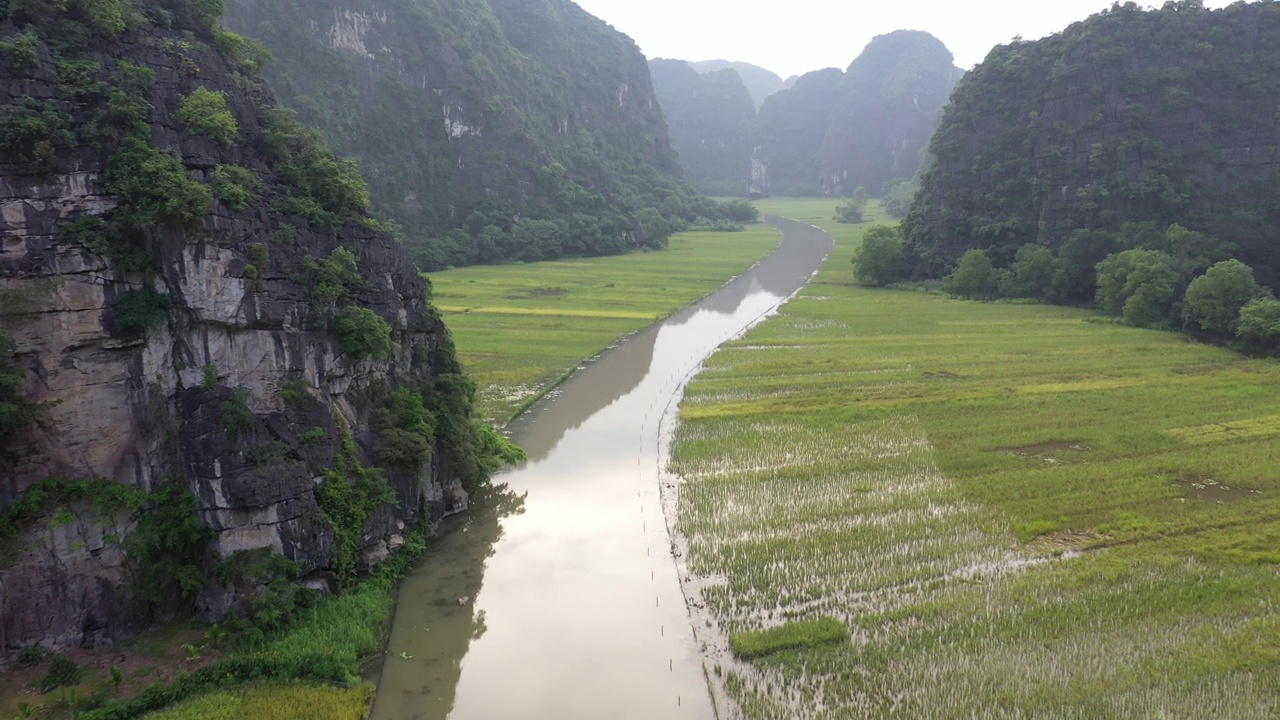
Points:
x=852 y=211
x=17 y=411
x=166 y=549
x=1214 y=300
x=321 y=188
x=20 y=53
x=153 y=188
x=1032 y=273
x=1138 y=285
x=881 y=258
x=139 y=310
x=362 y=333
x=237 y=418
x=204 y=112
x=62 y=673
x=330 y=280
x=974 y=277
x=740 y=211
x=789 y=636
x=1259 y=326
x=401 y=449
x=236 y=186
x=898 y=197
x=494 y=451
x=32 y=135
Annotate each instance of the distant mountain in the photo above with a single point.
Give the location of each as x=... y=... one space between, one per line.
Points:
x=790 y=130
x=825 y=133
x=834 y=132
x=761 y=83
x=710 y=119
x=890 y=102
x=1131 y=116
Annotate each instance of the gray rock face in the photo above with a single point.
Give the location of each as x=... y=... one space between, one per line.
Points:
x=142 y=409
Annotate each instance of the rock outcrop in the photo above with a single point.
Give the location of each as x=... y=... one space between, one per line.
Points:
x=241 y=388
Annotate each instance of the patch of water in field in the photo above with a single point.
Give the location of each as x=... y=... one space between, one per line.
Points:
x=557 y=597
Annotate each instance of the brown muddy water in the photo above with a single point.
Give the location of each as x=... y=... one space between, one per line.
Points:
x=557 y=596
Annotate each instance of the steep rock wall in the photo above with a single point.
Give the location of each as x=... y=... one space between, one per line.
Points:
x=243 y=329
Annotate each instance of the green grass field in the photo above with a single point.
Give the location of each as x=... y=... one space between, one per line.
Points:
x=277 y=701
x=1018 y=510
x=520 y=329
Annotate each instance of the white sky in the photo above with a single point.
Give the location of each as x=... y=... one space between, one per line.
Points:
x=792 y=37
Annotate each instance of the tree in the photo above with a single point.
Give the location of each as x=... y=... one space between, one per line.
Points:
x=1214 y=300
x=1137 y=285
x=1033 y=270
x=852 y=211
x=1260 y=325
x=898 y=197
x=974 y=277
x=362 y=333
x=204 y=112
x=880 y=259
x=17 y=412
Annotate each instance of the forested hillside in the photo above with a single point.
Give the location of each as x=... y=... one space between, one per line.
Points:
x=466 y=115
x=1101 y=138
x=711 y=118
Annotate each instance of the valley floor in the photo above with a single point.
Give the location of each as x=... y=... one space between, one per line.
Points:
x=522 y=329
x=1016 y=510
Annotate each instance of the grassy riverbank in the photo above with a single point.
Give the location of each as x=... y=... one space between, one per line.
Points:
x=520 y=329
x=1017 y=510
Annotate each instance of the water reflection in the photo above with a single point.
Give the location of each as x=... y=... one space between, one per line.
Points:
x=581 y=607
x=432 y=629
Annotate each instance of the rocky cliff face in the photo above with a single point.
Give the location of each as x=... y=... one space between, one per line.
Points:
x=454 y=108
x=1131 y=116
x=241 y=386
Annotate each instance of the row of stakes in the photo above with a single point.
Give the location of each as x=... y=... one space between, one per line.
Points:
x=644 y=526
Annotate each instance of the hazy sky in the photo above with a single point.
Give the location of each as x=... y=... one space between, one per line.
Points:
x=792 y=37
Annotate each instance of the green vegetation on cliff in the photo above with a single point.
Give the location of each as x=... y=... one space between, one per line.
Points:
x=1094 y=140
x=488 y=130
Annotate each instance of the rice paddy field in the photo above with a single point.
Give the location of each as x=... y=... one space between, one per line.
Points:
x=521 y=329
x=1015 y=511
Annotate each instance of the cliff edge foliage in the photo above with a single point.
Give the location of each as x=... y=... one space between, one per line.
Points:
x=195 y=307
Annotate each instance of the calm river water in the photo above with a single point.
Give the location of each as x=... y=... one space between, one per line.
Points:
x=556 y=595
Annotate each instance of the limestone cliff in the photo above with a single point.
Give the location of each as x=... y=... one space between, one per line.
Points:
x=460 y=112
x=250 y=343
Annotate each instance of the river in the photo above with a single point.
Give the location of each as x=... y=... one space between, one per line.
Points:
x=556 y=596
